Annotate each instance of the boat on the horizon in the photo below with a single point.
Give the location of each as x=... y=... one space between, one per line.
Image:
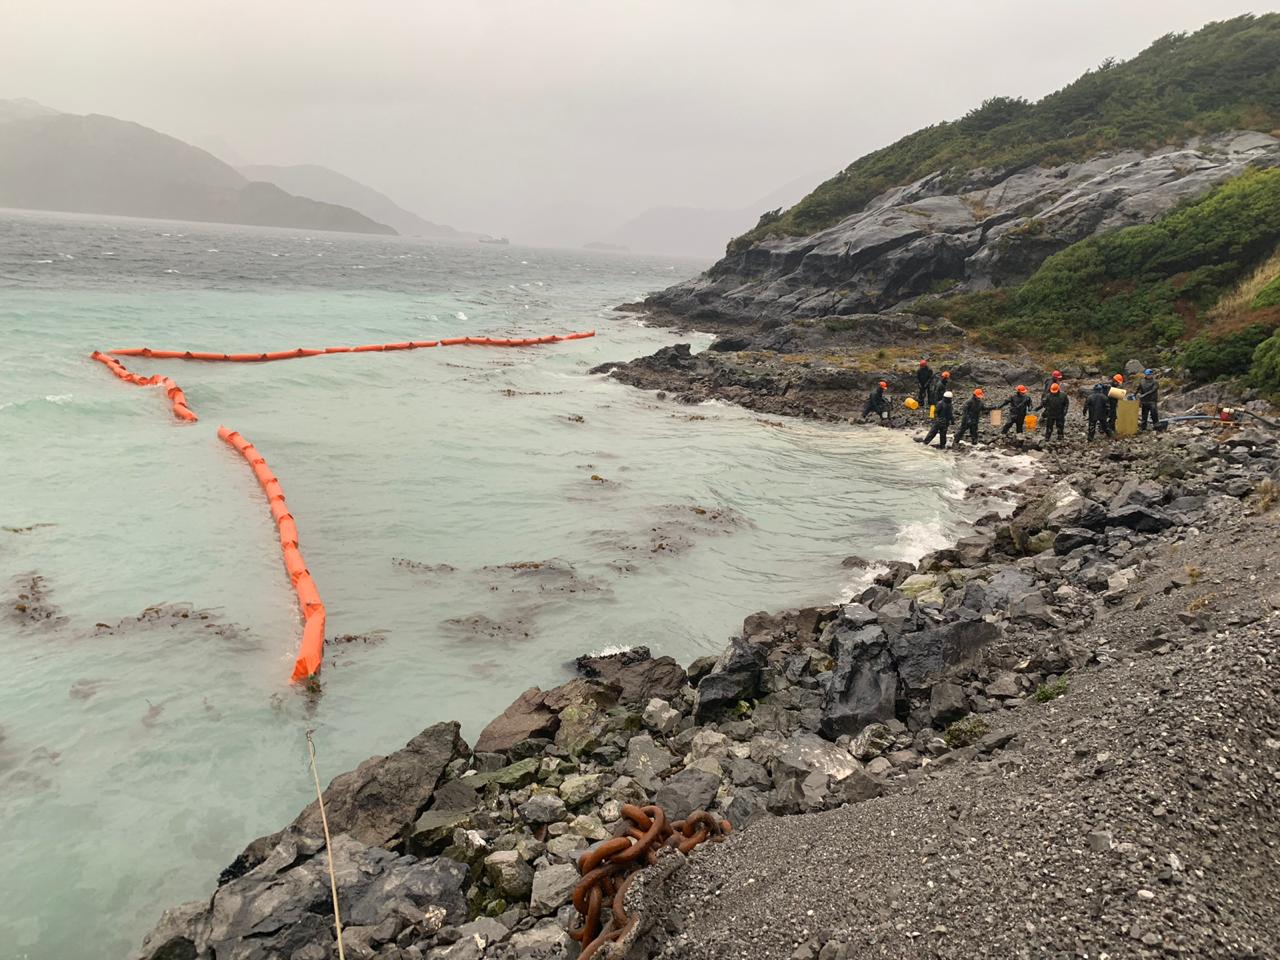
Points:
x=494 y=240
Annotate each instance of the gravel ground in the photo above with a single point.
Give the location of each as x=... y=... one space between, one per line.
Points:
x=1135 y=816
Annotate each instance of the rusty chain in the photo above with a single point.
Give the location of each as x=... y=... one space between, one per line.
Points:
x=608 y=867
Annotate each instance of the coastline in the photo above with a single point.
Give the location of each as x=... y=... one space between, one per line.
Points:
x=470 y=850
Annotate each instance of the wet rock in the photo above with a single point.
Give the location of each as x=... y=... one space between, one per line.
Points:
x=735 y=677
x=637 y=674
x=527 y=717
x=748 y=804
x=806 y=753
x=1072 y=538
x=863 y=687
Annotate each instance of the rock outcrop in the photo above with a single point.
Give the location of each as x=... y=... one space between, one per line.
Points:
x=982 y=229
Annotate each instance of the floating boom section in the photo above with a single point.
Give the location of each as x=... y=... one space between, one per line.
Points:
x=177 y=399
x=311 y=652
x=326 y=351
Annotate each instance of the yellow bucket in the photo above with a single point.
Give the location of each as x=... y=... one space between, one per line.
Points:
x=1029 y=421
x=911 y=403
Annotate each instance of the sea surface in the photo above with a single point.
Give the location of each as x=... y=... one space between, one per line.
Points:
x=474 y=518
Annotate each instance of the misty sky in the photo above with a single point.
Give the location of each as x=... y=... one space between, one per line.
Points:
x=556 y=120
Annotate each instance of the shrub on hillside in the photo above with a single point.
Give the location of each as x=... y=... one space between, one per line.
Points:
x=1268 y=296
x=1213 y=358
x=1265 y=371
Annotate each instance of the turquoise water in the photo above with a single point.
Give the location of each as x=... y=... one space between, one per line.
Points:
x=137 y=760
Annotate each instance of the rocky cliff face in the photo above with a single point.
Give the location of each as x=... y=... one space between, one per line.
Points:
x=992 y=229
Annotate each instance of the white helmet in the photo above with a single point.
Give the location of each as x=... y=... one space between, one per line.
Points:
x=948 y=394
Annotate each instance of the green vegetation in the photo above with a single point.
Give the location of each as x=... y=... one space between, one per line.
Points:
x=1225 y=76
x=1050 y=691
x=1268 y=296
x=1129 y=289
x=1265 y=370
x=965 y=732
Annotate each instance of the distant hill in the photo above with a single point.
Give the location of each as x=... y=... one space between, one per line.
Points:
x=22 y=109
x=321 y=183
x=699 y=232
x=98 y=164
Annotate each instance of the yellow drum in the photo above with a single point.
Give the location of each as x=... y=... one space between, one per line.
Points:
x=1029 y=421
x=911 y=403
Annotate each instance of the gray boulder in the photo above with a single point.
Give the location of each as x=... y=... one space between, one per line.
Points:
x=527 y=717
x=926 y=655
x=552 y=886
x=637 y=674
x=689 y=790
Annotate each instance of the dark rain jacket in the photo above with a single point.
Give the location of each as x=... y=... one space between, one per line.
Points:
x=1148 y=390
x=877 y=401
x=1098 y=405
x=944 y=414
x=937 y=388
x=1055 y=405
x=924 y=375
x=1019 y=405
x=972 y=410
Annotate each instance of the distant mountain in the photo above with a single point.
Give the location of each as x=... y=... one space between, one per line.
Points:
x=97 y=164
x=22 y=109
x=699 y=232
x=321 y=183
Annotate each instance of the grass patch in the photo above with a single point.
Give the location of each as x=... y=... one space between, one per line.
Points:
x=1050 y=691
x=964 y=733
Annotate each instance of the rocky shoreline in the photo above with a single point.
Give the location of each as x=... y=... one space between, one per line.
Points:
x=446 y=850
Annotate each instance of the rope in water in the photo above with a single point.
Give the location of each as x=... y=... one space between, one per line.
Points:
x=328 y=847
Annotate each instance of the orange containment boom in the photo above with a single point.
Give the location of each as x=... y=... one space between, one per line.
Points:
x=311 y=652
x=177 y=399
x=367 y=348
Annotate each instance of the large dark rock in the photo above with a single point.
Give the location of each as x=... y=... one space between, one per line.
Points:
x=1140 y=518
x=924 y=656
x=527 y=717
x=637 y=674
x=735 y=677
x=373 y=802
x=863 y=687
x=1072 y=538
x=282 y=906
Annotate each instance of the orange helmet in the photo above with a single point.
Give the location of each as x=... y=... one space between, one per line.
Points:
x=883 y=385
x=1118 y=378
x=1021 y=388
x=1057 y=374
x=978 y=393
x=1054 y=388
x=946 y=374
x=924 y=363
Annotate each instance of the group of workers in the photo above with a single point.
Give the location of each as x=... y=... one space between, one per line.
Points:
x=937 y=392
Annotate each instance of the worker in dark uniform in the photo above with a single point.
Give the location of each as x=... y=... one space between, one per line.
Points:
x=925 y=376
x=1149 y=397
x=1055 y=411
x=970 y=414
x=1113 y=403
x=878 y=403
x=942 y=418
x=938 y=386
x=1098 y=408
x=1019 y=404
x=1055 y=377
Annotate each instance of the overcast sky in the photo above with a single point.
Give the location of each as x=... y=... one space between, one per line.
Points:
x=555 y=120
